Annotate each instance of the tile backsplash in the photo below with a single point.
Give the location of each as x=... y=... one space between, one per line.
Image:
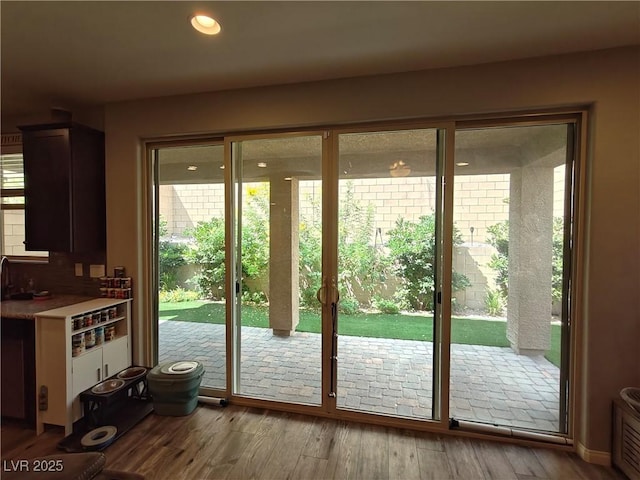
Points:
x=58 y=276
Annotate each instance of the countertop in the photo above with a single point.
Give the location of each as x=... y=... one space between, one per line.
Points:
x=26 y=309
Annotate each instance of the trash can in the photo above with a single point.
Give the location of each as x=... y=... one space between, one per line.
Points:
x=174 y=387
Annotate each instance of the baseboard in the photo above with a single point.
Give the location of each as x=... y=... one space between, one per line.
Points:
x=593 y=456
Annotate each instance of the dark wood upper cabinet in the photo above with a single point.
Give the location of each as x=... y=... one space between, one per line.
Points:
x=64 y=188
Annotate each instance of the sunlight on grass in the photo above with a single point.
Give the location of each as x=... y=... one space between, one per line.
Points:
x=375 y=325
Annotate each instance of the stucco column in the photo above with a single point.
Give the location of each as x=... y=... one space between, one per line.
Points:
x=530 y=257
x=284 y=256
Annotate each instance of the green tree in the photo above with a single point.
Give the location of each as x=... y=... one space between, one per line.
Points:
x=171 y=255
x=412 y=247
x=208 y=252
x=255 y=242
x=363 y=264
x=209 y=249
x=310 y=246
x=498 y=237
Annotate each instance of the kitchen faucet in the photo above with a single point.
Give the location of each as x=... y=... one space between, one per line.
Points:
x=5 y=278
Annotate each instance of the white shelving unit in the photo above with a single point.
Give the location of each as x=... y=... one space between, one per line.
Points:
x=61 y=376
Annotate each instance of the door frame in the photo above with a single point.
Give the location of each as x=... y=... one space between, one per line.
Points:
x=579 y=115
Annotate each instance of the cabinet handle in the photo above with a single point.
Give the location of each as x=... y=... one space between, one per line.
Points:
x=106 y=369
x=98 y=371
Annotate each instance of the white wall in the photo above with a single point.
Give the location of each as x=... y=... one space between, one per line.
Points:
x=608 y=80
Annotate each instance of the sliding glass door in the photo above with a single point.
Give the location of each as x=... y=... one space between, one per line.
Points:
x=417 y=272
x=388 y=225
x=513 y=216
x=189 y=209
x=277 y=224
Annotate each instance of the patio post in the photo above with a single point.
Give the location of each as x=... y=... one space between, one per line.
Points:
x=284 y=256
x=530 y=258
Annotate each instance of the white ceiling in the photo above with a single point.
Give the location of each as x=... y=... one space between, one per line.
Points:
x=84 y=53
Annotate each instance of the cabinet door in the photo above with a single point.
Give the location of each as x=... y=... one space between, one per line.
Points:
x=47 y=177
x=64 y=188
x=87 y=371
x=88 y=190
x=13 y=378
x=115 y=356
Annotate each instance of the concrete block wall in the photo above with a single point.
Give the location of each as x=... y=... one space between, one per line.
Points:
x=479 y=202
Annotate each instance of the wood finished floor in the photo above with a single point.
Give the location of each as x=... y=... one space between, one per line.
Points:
x=249 y=443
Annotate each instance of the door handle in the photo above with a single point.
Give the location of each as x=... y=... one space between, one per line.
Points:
x=321 y=294
x=334 y=337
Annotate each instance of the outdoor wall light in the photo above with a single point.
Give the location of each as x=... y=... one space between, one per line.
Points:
x=399 y=169
x=205 y=24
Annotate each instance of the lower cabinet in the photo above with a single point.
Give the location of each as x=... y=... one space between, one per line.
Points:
x=67 y=366
x=17 y=379
x=95 y=366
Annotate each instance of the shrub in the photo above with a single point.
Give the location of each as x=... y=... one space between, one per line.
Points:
x=255 y=233
x=209 y=249
x=412 y=247
x=385 y=305
x=170 y=256
x=494 y=302
x=209 y=254
x=310 y=249
x=178 y=295
x=348 y=306
x=363 y=265
x=498 y=237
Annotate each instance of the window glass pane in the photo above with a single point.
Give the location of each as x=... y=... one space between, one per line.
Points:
x=12 y=171
x=12 y=226
x=12 y=219
x=13 y=201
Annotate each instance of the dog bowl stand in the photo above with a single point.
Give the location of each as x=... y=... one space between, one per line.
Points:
x=123 y=408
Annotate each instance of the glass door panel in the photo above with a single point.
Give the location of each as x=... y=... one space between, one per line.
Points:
x=278 y=245
x=386 y=260
x=191 y=258
x=511 y=210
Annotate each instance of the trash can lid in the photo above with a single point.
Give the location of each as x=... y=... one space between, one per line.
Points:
x=179 y=368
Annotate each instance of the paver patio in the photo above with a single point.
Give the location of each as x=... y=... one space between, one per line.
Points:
x=387 y=376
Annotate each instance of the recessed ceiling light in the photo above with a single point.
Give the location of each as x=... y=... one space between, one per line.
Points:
x=205 y=24
x=288 y=179
x=262 y=164
x=462 y=164
x=192 y=168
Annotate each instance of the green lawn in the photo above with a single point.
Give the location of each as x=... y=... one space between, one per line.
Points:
x=379 y=325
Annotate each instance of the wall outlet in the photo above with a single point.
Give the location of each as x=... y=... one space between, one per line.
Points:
x=79 y=270
x=96 y=271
